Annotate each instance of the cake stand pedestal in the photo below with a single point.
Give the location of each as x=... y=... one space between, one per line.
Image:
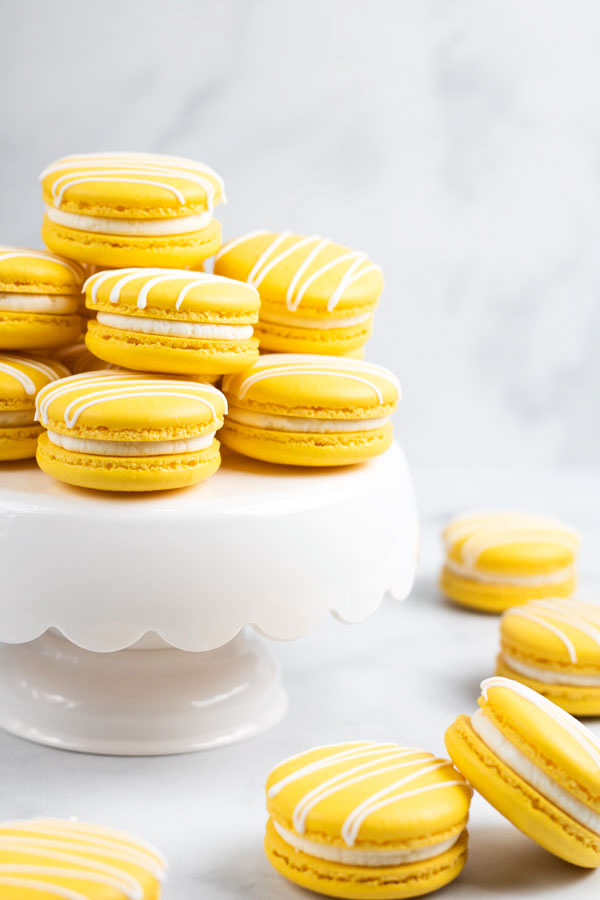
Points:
x=123 y=617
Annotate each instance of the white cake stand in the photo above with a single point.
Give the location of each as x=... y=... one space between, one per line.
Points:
x=123 y=617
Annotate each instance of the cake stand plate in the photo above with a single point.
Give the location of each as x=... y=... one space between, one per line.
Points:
x=123 y=617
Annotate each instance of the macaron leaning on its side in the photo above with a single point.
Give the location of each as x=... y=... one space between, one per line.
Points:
x=535 y=764
x=310 y=410
x=553 y=646
x=131 y=209
x=495 y=560
x=39 y=299
x=21 y=379
x=119 y=431
x=316 y=296
x=367 y=820
x=172 y=320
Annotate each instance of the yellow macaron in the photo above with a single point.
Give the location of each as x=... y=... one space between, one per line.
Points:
x=172 y=320
x=497 y=560
x=21 y=378
x=39 y=299
x=367 y=820
x=119 y=431
x=131 y=209
x=54 y=858
x=317 y=296
x=536 y=764
x=553 y=646
x=310 y=410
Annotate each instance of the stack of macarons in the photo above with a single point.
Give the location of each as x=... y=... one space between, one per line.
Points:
x=123 y=289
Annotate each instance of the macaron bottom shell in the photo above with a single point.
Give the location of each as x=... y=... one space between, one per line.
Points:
x=521 y=804
x=116 y=473
x=364 y=882
x=306 y=449
x=579 y=700
x=19 y=442
x=495 y=598
x=37 y=331
x=172 y=355
x=328 y=341
x=116 y=251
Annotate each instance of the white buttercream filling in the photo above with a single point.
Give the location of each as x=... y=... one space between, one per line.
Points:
x=131 y=448
x=107 y=225
x=532 y=774
x=176 y=329
x=329 y=320
x=298 y=423
x=16 y=417
x=550 y=676
x=352 y=857
x=57 y=304
x=523 y=580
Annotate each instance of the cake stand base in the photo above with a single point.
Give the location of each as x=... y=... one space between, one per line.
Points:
x=146 y=700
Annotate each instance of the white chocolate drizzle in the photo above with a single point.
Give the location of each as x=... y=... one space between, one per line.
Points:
x=18 y=253
x=101 y=387
x=297 y=364
x=484 y=531
x=153 y=277
x=10 y=365
x=377 y=760
x=358 y=265
x=115 y=167
x=586 y=739
x=582 y=617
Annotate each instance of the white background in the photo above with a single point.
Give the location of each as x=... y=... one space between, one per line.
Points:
x=457 y=142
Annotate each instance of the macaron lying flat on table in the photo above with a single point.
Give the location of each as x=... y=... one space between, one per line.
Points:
x=39 y=299
x=55 y=858
x=495 y=560
x=310 y=410
x=367 y=820
x=317 y=296
x=553 y=646
x=131 y=209
x=120 y=431
x=171 y=320
x=21 y=378
x=536 y=764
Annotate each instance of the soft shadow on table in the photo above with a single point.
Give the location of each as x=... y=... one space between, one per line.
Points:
x=505 y=860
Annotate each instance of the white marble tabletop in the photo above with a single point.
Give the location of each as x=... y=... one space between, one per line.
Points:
x=402 y=675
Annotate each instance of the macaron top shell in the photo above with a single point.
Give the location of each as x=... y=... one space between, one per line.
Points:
x=565 y=632
x=22 y=377
x=302 y=274
x=172 y=294
x=53 y=857
x=510 y=543
x=314 y=386
x=553 y=740
x=366 y=794
x=130 y=407
x=131 y=185
x=24 y=271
